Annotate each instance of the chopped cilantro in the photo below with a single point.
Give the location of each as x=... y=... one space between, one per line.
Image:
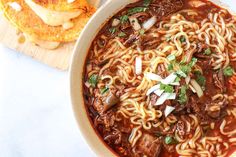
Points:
x=124 y=18
x=207 y=51
x=228 y=71
x=167 y=88
x=121 y=34
x=170 y=140
x=182 y=39
x=183 y=96
x=104 y=90
x=112 y=30
x=171 y=57
x=93 y=80
x=146 y=2
x=136 y=10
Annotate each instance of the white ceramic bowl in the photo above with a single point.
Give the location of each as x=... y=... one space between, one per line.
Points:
x=76 y=69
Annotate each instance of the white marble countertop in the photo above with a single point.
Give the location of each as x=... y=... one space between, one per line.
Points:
x=36 y=118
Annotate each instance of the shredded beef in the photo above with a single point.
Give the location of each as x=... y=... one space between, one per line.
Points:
x=149 y=145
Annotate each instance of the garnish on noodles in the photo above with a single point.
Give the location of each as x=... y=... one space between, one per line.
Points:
x=160 y=80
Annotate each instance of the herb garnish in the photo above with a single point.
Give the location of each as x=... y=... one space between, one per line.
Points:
x=93 y=80
x=121 y=34
x=207 y=51
x=124 y=19
x=170 y=140
x=183 y=96
x=146 y=3
x=136 y=10
x=228 y=71
x=112 y=30
x=104 y=90
x=166 y=88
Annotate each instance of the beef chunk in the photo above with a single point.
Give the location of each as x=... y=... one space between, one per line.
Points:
x=113 y=137
x=219 y=80
x=169 y=148
x=149 y=145
x=106 y=120
x=162 y=8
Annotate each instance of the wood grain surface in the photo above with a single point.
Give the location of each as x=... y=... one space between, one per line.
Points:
x=58 y=58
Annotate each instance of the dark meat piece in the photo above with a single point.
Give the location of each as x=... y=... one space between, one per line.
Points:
x=113 y=137
x=213 y=110
x=149 y=145
x=162 y=8
x=161 y=70
x=148 y=42
x=169 y=148
x=97 y=104
x=132 y=38
x=219 y=80
x=153 y=98
x=180 y=128
x=110 y=101
x=106 y=120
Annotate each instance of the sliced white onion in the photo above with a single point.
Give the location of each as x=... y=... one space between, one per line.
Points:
x=191 y=87
x=138 y=65
x=175 y=84
x=87 y=84
x=164 y=97
x=158 y=92
x=168 y=110
x=149 y=23
x=154 y=88
x=115 y=22
x=14 y=5
x=187 y=80
x=134 y=23
x=153 y=76
x=197 y=87
x=169 y=79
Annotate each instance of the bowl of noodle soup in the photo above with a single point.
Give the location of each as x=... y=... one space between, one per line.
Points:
x=157 y=78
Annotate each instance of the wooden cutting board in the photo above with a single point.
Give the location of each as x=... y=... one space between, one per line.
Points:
x=59 y=58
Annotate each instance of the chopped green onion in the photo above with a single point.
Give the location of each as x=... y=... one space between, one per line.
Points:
x=170 y=67
x=201 y=80
x=93 y=80
x=104 y=90
x=193 y=62
x=124 y=18
x=168 y=38
x=146 y=2
x=170 y=140
x=136 y=10
x=171 y=57
x=228 y=71
x=142 y=31
x=177 y=79
x=121 y=34
x=207 y=51
x=166 y=88
x=182 y=39
x=112 y=30
x=183 y=96
x=181 y=73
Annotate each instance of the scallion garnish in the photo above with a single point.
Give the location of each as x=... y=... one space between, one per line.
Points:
x=166 y=88
x=104 y=90
x=183 y=96
x=93 y=80
x=124 y=18
x=136 y=10
x=112 y=30
x=207 y=51
x=228 y=71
